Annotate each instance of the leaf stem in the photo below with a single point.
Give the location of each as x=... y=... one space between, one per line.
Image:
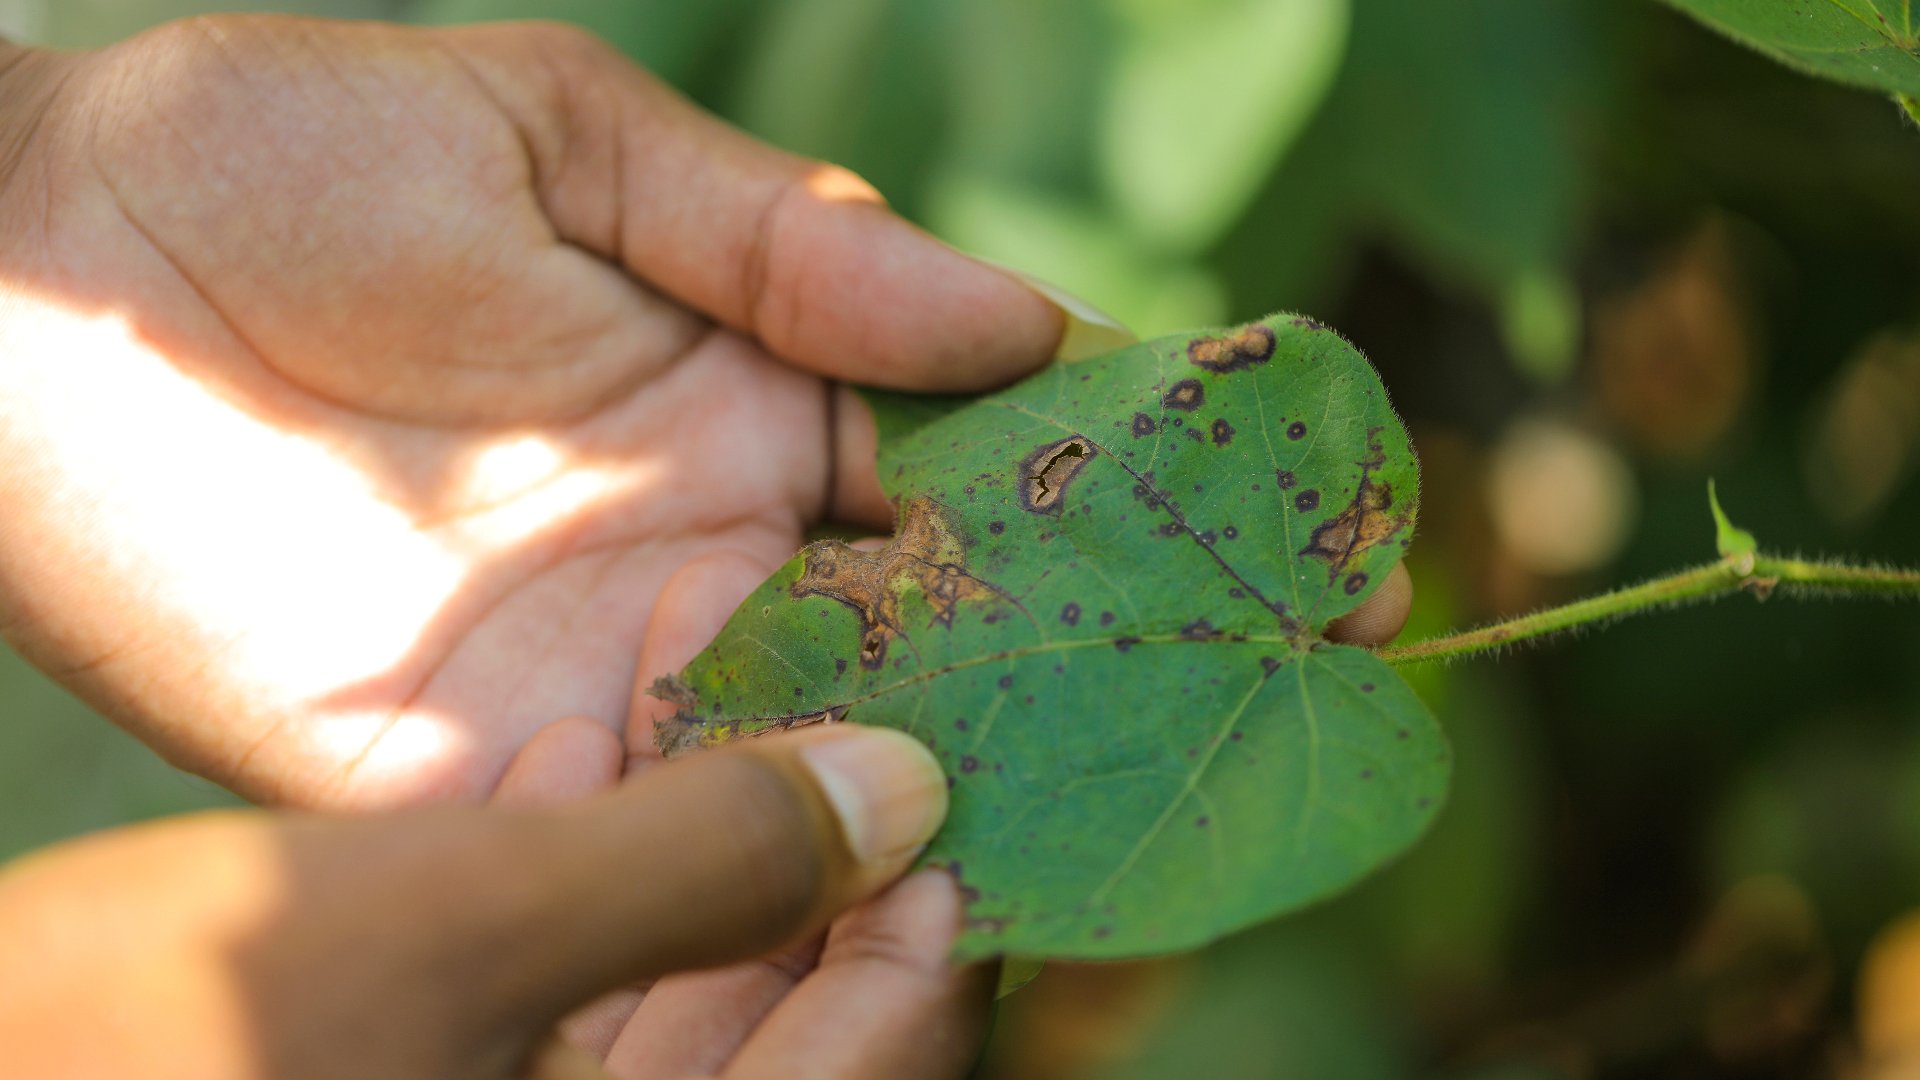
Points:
x=1760 y=574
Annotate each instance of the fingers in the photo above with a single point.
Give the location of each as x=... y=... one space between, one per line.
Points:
x=721 y=857
x=559 y=1060
x=566 y=760
x=692 y=607
x=1379 y=619
x=857 y=497
x=805 y=256
x=884 y=1001
x=691 y=1024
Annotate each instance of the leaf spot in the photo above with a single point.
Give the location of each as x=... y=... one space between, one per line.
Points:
x=1185 y=395
x=1249 y=345
x=1046 y=472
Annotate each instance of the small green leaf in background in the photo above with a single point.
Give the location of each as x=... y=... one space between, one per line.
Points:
x=1733 y=542
x=1102 y=610
x=1869 y=43
x=1205 y=97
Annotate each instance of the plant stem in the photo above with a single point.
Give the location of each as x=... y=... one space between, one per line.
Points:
x=1760 y=574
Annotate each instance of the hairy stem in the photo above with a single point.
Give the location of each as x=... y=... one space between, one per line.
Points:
x=1760 y=574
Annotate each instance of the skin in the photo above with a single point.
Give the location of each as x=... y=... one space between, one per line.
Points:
x=372 y=397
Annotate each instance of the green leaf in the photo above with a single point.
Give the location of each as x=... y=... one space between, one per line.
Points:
x=1732 y=542
x=1205 y=97
x=1103 y=611
x=1868 y=43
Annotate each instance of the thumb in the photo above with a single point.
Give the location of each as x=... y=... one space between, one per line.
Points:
x=716 y=858
x=443 y=941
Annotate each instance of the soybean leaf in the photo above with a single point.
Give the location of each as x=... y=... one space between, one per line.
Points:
x=1103 y=610
x=1869 y=43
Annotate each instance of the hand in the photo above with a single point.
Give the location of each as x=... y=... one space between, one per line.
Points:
x=447 y=942
x=365 y=387
x=371 y=395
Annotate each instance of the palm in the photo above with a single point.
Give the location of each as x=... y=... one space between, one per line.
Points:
x=412 y=470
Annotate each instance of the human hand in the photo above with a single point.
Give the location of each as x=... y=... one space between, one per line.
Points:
x=365 y=386
x=382 y=393
x=448 y=942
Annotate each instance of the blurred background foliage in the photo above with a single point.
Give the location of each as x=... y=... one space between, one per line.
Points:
x=1598 y=254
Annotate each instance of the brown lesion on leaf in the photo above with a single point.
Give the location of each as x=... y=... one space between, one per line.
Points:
x=674 y=690
x=1249 y=345
x=1045 y=473
x=925 y=554
x=1185 y=395
x=685 y=730
x=1366 y=521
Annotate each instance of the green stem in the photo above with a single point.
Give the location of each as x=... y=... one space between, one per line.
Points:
x=1910 y=104
x=1760 y=574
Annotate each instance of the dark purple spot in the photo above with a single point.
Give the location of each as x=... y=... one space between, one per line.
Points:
x=1366 y=688
x=1006 y=682
x=1285 y=479
x=996 y=527
x=1143 y=425
x=1201 y=821
x=839 y=665
x=1366 y=774
x=1236 y=736
x=960 y=724
x=1230 y=533
x=1199 y=630
x=1297 y=430
x=1222 y=432
x=1355 y=582
x=1122 y=644
x=969 y=764
x=1106 y=618
x=1070 y=614
x=1307 y=500
x=1269 y=664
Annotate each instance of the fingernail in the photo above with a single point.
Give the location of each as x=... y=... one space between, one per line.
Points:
x=885 y=787
x=1088 y=332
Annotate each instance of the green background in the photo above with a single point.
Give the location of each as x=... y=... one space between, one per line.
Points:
x=1598 y=254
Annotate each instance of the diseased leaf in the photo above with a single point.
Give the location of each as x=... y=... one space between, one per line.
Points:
x=1869 y=43
x=1102 y=609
